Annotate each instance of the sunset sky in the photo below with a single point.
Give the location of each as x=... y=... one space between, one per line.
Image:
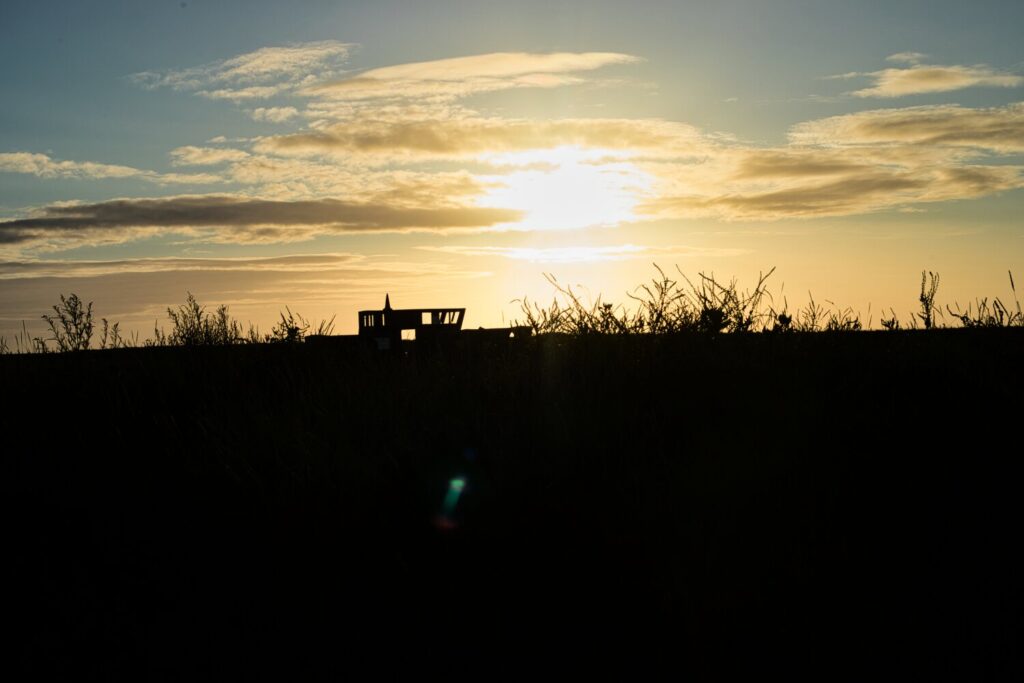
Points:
x=320 y=154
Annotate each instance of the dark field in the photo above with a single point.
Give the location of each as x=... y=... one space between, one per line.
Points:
x=842 y=504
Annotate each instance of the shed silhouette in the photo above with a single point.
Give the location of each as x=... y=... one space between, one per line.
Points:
x=386 y=326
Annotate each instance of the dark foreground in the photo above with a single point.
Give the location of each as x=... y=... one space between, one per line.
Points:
x=844 y=505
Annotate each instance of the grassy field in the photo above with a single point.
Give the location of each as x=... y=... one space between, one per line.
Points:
x=845 y=503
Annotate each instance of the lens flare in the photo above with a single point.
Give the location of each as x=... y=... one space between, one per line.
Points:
x=446 y=519
x=451 y=499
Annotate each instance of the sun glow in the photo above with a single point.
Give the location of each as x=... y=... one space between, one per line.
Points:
x=567 y=187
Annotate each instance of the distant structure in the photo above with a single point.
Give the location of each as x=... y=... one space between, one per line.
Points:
x=388 y=326
x=394 y=329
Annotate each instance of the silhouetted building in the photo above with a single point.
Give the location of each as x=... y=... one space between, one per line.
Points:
x=389 y=326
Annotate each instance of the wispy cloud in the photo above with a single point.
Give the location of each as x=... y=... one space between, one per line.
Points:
x=462 y=76
x=252 y=92
x=919 y=78
x=907 y=57
x=205 y=156
x=86 y=268
x=274 y=114
x=999 y=129
x=583 y=254
x=304 y=264
x=181 y=178
x=44 y=166
x=255 y=75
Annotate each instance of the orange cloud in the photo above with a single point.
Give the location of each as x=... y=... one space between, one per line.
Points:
x=918 y=79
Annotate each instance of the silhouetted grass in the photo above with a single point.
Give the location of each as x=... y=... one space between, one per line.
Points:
x=664 y=306
x=827 y=503
x=996 y=314
x=667 y=305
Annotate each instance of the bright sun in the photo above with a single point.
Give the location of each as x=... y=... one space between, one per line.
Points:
x=566 y=188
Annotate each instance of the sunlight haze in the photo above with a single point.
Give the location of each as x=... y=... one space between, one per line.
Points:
x=264 y=155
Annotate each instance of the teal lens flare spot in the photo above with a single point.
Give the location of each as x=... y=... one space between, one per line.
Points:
x=451 y=499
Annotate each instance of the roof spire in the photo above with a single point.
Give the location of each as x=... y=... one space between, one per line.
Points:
x=387 y=302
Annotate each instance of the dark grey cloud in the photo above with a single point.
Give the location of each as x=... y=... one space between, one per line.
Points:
x=263 y=217
x=796 y=192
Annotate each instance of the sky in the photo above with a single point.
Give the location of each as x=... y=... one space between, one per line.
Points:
x=318 y=155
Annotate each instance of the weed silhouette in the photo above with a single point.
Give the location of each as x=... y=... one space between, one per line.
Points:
x=71 y=326
x=996 y=314
x=929 y=286
x=191 y=325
